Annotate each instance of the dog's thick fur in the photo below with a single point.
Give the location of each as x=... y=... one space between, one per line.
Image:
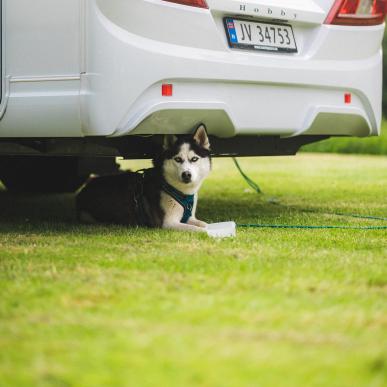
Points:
x=136 y=199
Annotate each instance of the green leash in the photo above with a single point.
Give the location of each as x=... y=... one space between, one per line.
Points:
x=286 y=226
x=250 y=182
x=258 y=190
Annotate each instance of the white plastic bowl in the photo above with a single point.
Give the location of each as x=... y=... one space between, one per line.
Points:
x=222 y=230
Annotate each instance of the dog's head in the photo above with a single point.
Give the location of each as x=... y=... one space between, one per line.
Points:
x=186 y=160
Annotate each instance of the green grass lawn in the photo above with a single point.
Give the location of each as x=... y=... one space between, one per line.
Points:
x=109 y=306
x=366 y=145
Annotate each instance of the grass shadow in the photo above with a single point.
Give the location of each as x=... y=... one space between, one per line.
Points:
x=55 y=213
x=60 y=208
x=37 y=207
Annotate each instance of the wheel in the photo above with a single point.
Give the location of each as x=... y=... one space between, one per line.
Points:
x=46 y=174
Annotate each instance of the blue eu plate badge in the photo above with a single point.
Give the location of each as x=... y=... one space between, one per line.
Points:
x=231 y=31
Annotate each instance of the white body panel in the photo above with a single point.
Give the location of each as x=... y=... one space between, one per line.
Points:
x=78 y=68
x=42 y=56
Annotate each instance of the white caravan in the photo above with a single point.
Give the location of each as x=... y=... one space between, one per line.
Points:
x=88 y=80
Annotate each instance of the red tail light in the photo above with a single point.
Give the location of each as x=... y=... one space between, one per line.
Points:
x=192 y=3
x=357 y=12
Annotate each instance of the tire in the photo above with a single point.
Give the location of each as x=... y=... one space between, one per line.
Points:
x=46 y=174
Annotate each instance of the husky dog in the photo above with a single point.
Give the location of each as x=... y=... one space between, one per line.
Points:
x=163 y=196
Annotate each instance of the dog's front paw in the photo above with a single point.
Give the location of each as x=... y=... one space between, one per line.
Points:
x=202 y=224
x=197 y=223
x=183 y=227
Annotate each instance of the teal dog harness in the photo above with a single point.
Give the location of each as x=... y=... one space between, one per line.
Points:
x=186 y=201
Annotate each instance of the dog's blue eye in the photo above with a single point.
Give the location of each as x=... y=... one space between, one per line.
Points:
x=194 y=159
x=178 y=159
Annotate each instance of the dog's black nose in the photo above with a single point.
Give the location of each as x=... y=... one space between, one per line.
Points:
x=186 y=176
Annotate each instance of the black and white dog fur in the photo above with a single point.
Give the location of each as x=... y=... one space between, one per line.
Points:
x=158 y=197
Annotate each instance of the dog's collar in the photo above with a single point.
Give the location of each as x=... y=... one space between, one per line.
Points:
x=186 y=201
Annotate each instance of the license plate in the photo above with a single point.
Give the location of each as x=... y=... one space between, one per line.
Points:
x=260 y=36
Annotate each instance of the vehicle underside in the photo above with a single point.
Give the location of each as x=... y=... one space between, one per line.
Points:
x=62 y=165
x=86 y=81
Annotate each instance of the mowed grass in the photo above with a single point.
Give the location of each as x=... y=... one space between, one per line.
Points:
x=366 y=145
x=109 y=306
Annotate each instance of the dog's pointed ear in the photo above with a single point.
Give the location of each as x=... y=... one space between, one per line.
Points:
x=201 y=137
x=169 y=140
